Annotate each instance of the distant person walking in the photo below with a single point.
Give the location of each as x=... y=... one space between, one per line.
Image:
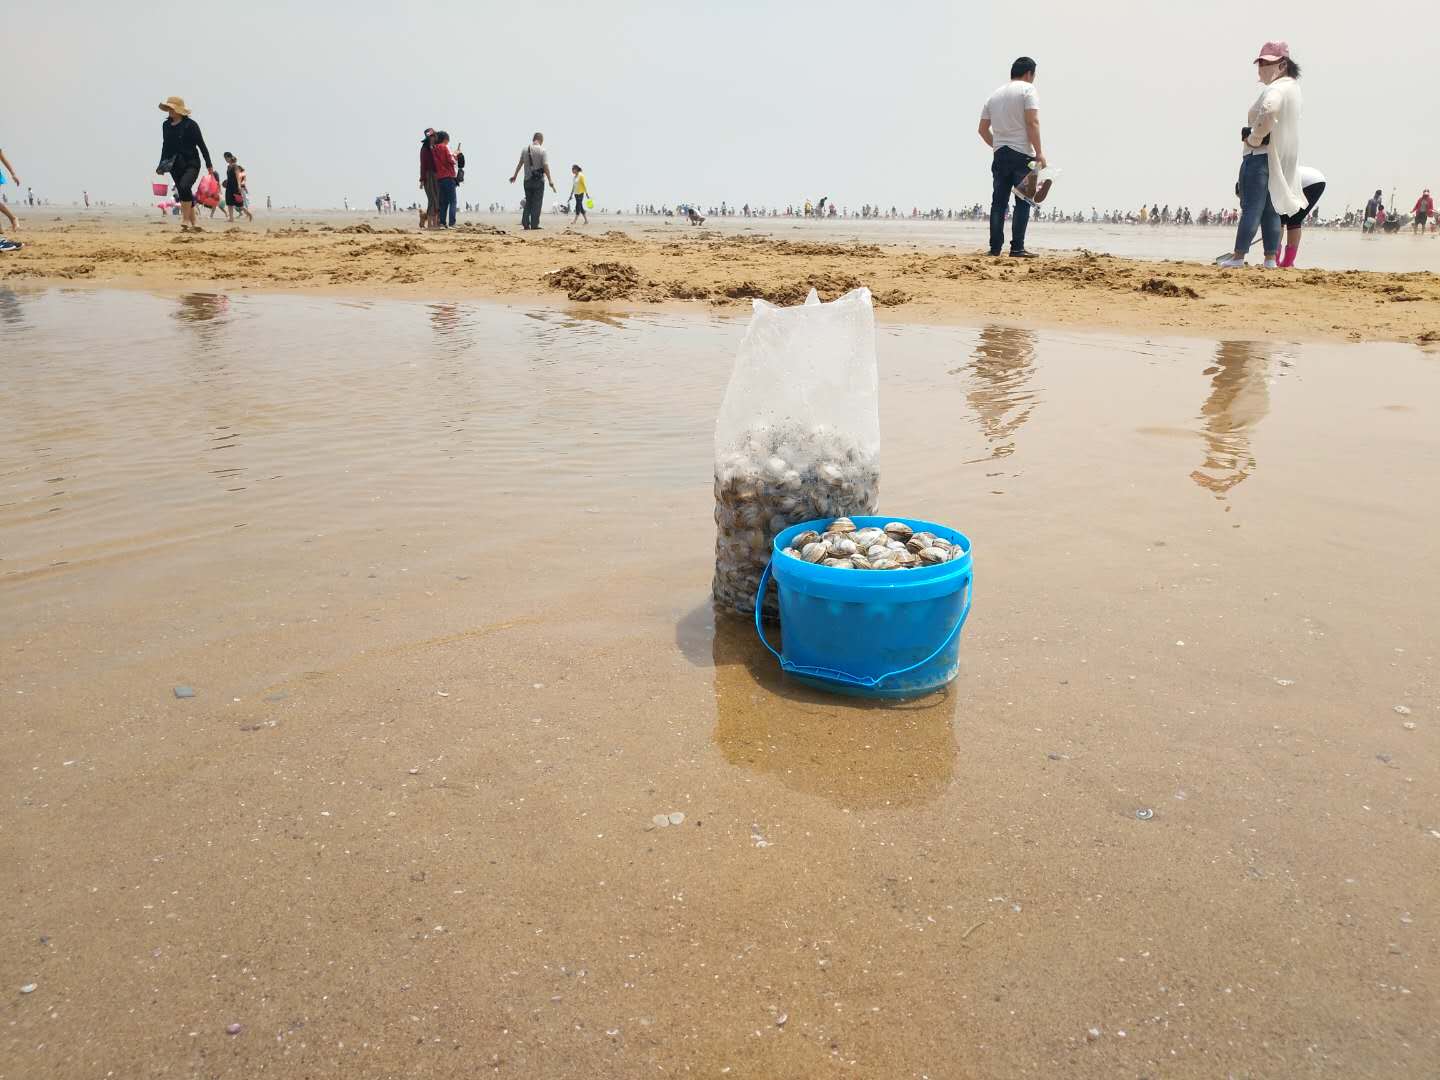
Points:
x=1424 y=208
x=181 y=147
x=445 y=171
x=1270 y=161
x=235 y=200
x=427 y=179
x=537 y=174
x=1312 y=186
x=578 y=193
x=6 y=244
x=1010 y=125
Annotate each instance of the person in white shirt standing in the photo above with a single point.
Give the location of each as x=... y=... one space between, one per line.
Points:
x=1269 y=180
x=1010 y=125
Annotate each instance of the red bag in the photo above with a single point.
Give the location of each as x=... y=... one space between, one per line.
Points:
x=207 y=192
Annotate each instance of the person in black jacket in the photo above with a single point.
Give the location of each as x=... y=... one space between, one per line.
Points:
x=180 y=150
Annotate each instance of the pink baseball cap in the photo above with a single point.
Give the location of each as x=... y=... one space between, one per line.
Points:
x=1272 y=51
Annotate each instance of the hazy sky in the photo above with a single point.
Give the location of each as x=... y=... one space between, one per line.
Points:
x=767 y=103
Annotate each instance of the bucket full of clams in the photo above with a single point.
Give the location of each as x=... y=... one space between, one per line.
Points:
x=871 y=606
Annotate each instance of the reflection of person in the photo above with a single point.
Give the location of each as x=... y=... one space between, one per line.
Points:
x=537 y=173
x=1312 y=186
x=1010 y=125
x=181 y=146
x=1002 y=366
x=1269 y=186
x=1239 y=399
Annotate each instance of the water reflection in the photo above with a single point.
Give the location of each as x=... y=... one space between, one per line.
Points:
x=201 y=307
x=1000 y=372
x=1239 y=399
x=856 y=753
x=205 y=313
x=11 y=310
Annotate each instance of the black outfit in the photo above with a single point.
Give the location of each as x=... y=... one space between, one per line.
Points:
x=180 y=149
x=1007 y=169
x=232 y=186
x=1312 y=195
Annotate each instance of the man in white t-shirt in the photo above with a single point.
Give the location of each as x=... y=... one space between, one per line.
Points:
x=1010 y=125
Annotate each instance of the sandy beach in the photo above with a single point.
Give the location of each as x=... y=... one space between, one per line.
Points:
x=437 y=575
x=638 y=263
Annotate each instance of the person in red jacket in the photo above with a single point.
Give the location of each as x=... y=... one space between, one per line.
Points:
x=1424 y=209
x=444 y=181
x=427 y=179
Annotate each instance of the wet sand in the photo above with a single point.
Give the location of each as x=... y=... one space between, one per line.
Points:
x=405 y=825
x=648 y=262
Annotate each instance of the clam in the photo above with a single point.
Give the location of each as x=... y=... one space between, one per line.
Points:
x=957 y=552
x=866 y=537
x=791 y=552
x=842 y=525
x=932 y=556
x=877 y=551
x=907 y=559
x=809 y=536
x=884 y=564
x=813 y=551
x=860 y=562
x=840 y=563
x=916 y=545
x=842 y=546
x=898 y=530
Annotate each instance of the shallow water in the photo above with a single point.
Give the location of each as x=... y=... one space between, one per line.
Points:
x=438 y=574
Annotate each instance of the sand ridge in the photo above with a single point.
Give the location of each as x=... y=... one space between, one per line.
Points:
x=665 y=265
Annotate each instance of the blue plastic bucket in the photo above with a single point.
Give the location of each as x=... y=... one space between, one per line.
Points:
x=872 y=633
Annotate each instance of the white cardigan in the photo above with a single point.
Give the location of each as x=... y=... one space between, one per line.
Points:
x=1276 y=113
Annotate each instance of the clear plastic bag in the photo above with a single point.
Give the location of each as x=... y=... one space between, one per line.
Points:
x=798 y=436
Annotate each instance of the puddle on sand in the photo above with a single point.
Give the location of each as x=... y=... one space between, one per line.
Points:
x=437 y=573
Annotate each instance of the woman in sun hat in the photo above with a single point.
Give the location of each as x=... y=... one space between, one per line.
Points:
x=1269 y=168
x=180 y=149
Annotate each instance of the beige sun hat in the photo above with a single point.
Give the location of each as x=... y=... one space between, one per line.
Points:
x=176 y=103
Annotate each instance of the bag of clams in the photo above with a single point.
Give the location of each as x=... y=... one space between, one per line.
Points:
x=798 y=436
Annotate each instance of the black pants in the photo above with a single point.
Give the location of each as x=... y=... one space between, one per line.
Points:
x=1007 y=169
x=534 y=198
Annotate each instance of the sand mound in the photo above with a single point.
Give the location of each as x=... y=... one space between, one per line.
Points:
x=360 y=228
x=1166 y=287
x=598 y=281
x=829 y=286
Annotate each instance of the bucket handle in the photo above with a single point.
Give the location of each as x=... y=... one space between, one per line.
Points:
x=867 y=681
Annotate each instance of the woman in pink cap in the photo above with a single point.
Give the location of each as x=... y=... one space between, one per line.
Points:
x=1269 y=169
